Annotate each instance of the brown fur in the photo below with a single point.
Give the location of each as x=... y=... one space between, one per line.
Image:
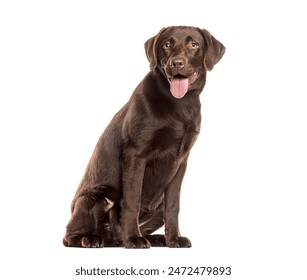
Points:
x=131 y=186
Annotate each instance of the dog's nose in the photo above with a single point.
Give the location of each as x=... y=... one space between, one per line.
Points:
x=177 y=63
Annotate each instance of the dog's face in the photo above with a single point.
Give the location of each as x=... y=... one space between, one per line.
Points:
x=183 y=54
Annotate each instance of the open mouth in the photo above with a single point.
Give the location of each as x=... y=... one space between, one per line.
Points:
x=180 y=84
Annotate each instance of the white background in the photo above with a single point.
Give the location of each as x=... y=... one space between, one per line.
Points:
x=67 y=66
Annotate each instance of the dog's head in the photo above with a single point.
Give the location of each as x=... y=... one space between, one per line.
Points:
x=183 y=55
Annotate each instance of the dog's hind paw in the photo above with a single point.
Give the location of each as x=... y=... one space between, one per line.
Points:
x=85 y=241
x=156 y=240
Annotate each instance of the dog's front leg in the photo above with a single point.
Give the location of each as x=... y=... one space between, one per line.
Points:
x=172 y=199
x=133 y=174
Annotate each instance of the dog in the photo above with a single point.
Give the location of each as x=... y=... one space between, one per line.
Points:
x=131 y=186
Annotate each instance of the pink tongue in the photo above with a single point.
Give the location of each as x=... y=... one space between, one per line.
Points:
x=179 y=87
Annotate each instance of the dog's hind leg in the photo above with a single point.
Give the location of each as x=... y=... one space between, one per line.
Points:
x=86 y=227
x=150 y=222
x=156 y=240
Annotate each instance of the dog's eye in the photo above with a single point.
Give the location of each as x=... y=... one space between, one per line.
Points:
x=193 y=45
x=166 y=45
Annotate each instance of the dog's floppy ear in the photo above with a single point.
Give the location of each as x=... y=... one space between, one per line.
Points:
x=215 y=50
x=151 y=50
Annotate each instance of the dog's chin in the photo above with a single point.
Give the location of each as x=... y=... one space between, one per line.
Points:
x=181 y=84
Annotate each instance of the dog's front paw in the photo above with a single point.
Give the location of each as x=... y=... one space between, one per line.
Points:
x=178 y=242
x=137 y=242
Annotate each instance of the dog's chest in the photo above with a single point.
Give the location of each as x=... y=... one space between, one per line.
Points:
x=170 y=148
x=176 y=139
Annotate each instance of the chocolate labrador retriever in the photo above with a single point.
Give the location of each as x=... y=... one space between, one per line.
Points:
x=131 y=186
